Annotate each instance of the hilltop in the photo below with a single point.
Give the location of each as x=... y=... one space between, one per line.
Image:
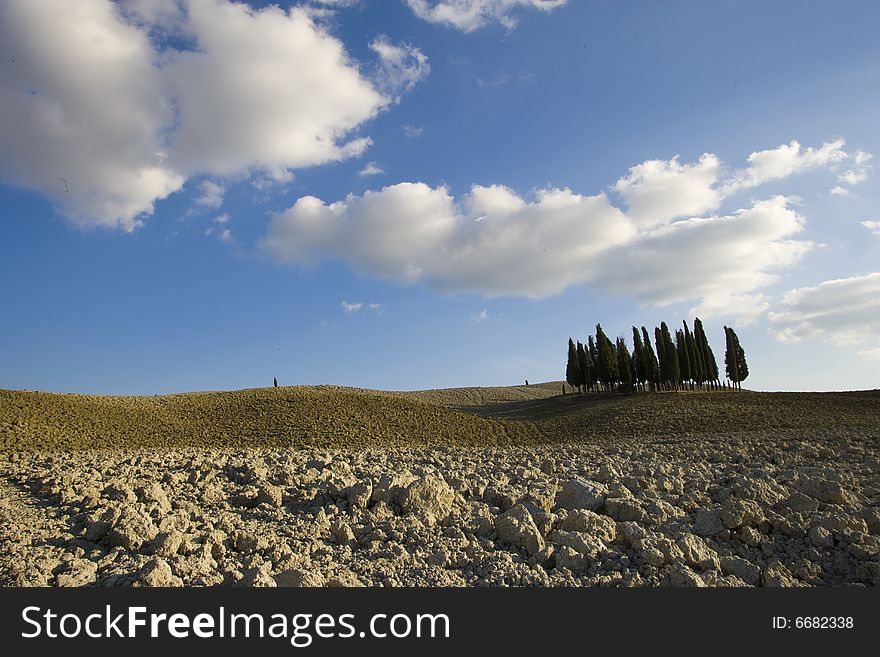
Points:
x=354 y=418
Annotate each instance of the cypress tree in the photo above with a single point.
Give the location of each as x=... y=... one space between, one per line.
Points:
x=624 y=373
x=710 y=366
x=594 y=358
x=730 y=364
x=615 y=369
x=606 y=366
x=652 y=367
x=672 y=364
x=741 y=363
x=735 y=358
x=694 y=357
x=639 y=376
x=661 y=356
x=684 y=360
x=589 y=369
x=571 y=369
x=582 y=367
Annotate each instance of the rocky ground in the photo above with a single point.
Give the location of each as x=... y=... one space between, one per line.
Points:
x=785 y=507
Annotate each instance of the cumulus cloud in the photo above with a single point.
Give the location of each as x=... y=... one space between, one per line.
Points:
x=860 y=170
x=106 y=132
x=844 y=310
x=218 y=227
x=83 y=125
x=837 y=190
x=783 y=161
x=469 y=15
x=716 y=259
x=371 y=169
x=358 y=306
x=266 y=89
x=481 y=316
x=412 y=131
x=656 y=191
x=496 y=243
x=873 y=226
x=210 y=194
x=493 y=242
x=401 y=66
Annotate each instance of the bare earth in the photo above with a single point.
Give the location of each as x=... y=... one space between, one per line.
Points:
x=467 y=487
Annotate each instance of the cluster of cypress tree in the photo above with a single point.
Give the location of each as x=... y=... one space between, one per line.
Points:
x=687 y=361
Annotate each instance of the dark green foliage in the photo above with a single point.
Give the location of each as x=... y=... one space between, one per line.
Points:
x=639 y=375
x=624 y=373
x=589 y=369
x=730 y=358
x=684 y=361
x=741 y=360
x=582 y=365
x=594 y=359
x=606 y=365
x=661 y=355
x=710 y=370
x=694 y=356
x=652 y=366
x=572 y=375
x=687 y=358
x=672 y=373
x=734 y=358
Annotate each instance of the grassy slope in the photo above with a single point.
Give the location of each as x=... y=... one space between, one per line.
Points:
x=327 y=416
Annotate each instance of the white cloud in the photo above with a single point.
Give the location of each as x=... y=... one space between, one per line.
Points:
x=371 y=169
x=412 y=131
x=266 y=89
x=656 y=191
x=358 y=306
x=873 y=226
x=845 y=311
x=400 y=66
x=492 y=242
x=853 y=176
x=469 y=15
x=218 y=227
x=210 y=194
x=495 y=243
x=498 y=80
x=83 y=125
x=105 y=132
x=481 y=316
x=783 y=161
x=837 y=190
x=860 y=172
x=719 y=259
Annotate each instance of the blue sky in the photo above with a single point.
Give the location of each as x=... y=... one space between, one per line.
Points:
x=409 y=194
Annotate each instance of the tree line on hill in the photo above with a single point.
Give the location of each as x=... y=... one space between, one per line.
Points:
x=685 y=362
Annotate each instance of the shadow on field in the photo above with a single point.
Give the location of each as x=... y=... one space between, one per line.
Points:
x=547 y=408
